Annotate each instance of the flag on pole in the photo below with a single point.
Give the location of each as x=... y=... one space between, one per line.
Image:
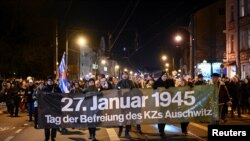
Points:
x=63 y=82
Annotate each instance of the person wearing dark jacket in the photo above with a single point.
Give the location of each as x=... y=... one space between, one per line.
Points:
x=129 y=84
x=91 y=88
x=163 y=81
x=16 y=100
x=29 y=97
x=50 y=88
x=224 y=97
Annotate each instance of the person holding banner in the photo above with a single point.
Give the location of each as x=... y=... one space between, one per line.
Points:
x=50 y=89
x=163 y=81
x=129 y=84
x=91 y=88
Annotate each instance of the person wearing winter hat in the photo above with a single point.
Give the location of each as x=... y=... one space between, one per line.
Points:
x=163 y=81
x=50 y=88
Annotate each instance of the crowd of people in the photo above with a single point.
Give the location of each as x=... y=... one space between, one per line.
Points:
x=21 y=95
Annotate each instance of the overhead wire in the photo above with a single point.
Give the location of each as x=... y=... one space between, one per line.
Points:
x=124 y=25
x=160 y=32
x=122 y=17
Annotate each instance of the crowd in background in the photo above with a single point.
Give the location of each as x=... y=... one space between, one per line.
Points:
x=20 y=94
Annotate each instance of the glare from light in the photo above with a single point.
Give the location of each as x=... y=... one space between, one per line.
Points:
x=169 y=128
x=82 y=41
x=131 y=72
x=117 y=67
x=178 y=38
x=103 y=62
x=164 y=57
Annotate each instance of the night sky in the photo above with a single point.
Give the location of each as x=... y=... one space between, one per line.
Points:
x=154 y=21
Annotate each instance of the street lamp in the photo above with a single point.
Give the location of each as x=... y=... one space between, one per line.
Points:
x=167 y=64
x=82 y=41
x=131 y=72
x=178 y=38
x=103 y=62
x=164 y=57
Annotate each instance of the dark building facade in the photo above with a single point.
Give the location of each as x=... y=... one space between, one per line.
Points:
x=209 y=38
x=238 y=38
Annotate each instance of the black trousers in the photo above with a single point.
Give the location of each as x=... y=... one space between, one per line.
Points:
x=92 y=131
x=127 y=128
x=184 y=126
x=14 y=109
x=50 y=132
x=161 y=127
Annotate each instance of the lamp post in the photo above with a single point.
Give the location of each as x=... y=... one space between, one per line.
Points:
x=178 y=39
x=81 y=41
x=163 y=58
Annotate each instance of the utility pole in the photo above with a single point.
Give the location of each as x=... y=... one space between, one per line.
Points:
x=192 y=47
x=57 y=51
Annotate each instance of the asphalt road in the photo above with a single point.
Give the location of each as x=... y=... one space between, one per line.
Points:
x=20 y=129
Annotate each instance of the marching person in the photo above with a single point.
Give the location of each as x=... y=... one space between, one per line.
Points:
x=29 y=96
x=50 y=88
x=163 y=81
x=224 y=97
x=123 y=84
x=90 y=88
x=76 y=89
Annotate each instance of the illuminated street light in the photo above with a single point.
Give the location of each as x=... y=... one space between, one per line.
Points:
x=125 y=69
x=131 y=72
x=178 y=38
x=103 y=62
x=164 y=57
x=167 y=64
x=82 y=41
x=117 y=67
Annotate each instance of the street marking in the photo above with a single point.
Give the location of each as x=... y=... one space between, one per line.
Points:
x=4 y=128
x=245 y=116
x=190 y=133
x=112 y=134
x=9 y=138
x=18 y=131
x=199 y=126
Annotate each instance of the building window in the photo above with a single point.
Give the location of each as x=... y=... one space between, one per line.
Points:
x=244 y=39
x=242 y=8
x=232 y=13
x=232 y=43
x=222 y=11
